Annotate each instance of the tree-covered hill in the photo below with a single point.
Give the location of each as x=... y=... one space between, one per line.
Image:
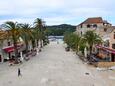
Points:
x=59 y=30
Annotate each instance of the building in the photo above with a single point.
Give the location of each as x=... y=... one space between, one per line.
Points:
x=7 y=48
x=106 y=31
x=97 y=24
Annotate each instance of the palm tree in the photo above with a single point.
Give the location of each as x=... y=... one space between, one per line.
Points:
x=14 y=32
x=92 y=38
x=78 y=42
x=34 y=37
x=26 y=34
x=67 y=38
x=44 y=34
x=39 y=28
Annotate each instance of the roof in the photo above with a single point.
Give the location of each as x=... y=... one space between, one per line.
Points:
x=106 y=22
x=93 y=20
x=113 y=27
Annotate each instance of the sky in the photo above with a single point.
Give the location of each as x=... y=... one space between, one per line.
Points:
x=56 y=12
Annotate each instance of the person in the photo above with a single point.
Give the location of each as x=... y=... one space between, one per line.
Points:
x=19 y=72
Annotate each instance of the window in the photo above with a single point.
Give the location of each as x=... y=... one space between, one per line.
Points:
x=8 y=43
x=105 y=29
x=88 y=26
x=106 y=43
x=113 y=46
x=81 y=25
x=95 y=26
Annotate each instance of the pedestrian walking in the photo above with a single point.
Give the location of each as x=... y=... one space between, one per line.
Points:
x=19 y=72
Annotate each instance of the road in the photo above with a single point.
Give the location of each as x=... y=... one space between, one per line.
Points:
x=54 y=67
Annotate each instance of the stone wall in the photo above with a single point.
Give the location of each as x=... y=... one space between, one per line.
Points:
x=104 y=64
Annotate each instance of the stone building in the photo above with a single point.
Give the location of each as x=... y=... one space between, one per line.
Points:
x=105 y=30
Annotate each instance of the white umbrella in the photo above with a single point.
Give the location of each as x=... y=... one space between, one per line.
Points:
x=85 y=52
x=21 y=57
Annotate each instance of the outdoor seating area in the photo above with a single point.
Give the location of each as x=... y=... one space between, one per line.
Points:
x=97 y=58
x=25 y=57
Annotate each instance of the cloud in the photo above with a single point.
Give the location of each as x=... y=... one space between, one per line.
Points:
x=55 y=11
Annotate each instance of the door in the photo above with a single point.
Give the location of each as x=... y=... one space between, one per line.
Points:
x=0 y=58
x=112 y=57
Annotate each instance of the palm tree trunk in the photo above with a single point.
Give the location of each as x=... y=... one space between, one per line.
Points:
x=41 y=43
x=37 y=43
x=9 y=54
x=90 y=49
x=26 y=46
x=15 y=48
x=16 y=51
x=76 y=48
x=33 y=44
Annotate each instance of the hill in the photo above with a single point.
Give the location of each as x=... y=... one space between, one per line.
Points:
x=59 y=30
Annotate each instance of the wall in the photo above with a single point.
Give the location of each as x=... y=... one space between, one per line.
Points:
x=112 y=41
x=84 y=28
x=104 y=64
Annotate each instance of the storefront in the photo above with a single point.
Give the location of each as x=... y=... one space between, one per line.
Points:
x=9 y=51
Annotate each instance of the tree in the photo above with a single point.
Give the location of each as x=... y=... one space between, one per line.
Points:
x=34 y=37
x=74 y=41
x=3 y=36
x=67 y=38
x=14 y=32
x=92 y=38
x=39 y=29
x=26 y=34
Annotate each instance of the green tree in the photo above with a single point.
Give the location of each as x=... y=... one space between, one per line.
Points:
x=26 y=34
x=92 y=38
x=74 y=41
x=14 y=32
x=39 y=29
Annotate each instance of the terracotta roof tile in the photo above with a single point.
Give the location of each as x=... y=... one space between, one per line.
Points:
x=93 y=20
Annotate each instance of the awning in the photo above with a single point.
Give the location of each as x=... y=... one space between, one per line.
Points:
x=106 y=49
x=9 y=49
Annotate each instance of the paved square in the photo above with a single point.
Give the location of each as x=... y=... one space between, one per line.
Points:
x=55 y=67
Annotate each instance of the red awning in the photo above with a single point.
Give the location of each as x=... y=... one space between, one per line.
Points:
x=106 y=49
x=9 y=49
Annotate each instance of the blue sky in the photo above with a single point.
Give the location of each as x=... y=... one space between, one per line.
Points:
x=56 y=11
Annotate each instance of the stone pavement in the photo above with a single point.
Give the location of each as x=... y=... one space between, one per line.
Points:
x=53 y=67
